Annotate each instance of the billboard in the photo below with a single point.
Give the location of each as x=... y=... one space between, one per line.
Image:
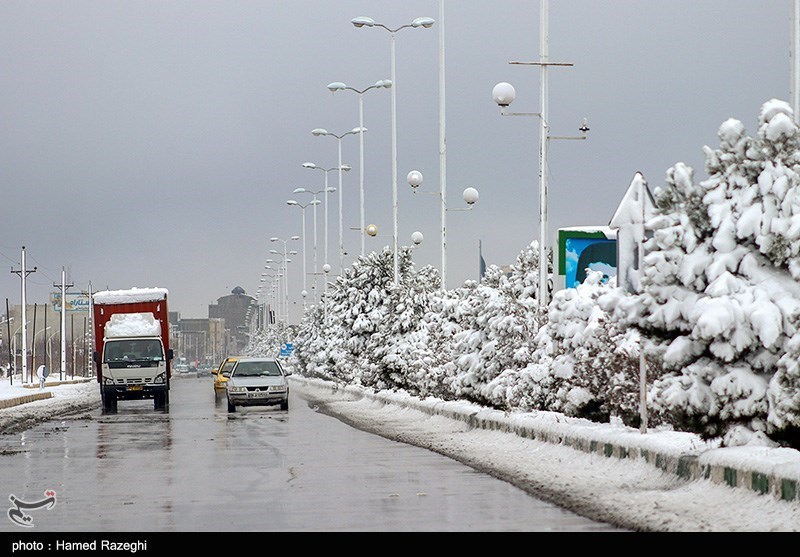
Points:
x=75 y=302
x=583 y=248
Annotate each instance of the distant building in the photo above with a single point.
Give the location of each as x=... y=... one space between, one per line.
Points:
x=202 y=341
x=233 y=309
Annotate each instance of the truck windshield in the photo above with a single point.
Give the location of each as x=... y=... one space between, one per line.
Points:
x=148 y=350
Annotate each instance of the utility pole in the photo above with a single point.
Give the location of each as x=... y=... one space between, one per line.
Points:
x=23 y=274
x=63 y=286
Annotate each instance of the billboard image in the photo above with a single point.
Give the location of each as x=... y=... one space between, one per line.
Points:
x=586 y=248
x=75 y=302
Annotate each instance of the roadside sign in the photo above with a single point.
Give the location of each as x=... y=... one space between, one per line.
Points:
x=286 y=350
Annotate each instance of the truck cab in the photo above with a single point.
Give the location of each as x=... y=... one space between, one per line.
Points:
x=132 y=350
x=134 y=368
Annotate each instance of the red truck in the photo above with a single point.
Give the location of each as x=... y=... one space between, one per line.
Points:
x=131 y=346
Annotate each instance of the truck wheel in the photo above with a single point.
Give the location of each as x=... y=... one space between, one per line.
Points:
x=109 y=403
x=231 y=407
x=161 y=401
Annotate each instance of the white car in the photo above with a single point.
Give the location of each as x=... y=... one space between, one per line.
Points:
x=257 y=382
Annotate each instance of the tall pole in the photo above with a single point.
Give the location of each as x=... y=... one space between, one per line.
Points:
x=442 y=144
x=394 y=160
x=23 y=274
x=286 y=283
x=341 y=227
x=795 y=53
x=24 y=320
x=305 y=292
x=11 y=358
x=315 y=248
x=326 y=226
x=361 y=171
x=543 y=140
x=63 y=287
x=642 y=361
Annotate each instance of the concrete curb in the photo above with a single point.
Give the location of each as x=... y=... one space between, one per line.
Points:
x=781 y=482
x=9 y=402
x=56 y=383
x=41 y=395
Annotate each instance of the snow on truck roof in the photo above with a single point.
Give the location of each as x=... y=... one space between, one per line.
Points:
x=131 y=296
x=132 y=325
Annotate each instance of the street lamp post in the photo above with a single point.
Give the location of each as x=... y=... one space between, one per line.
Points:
x=339 y=86
x=504 y=94
x=327 y=190
x=279 y=277
x=323 y=132
x=470 y=197
x=286 y=260
x=425 y=22
x=313 y=203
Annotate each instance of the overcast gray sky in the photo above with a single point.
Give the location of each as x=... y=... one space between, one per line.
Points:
x=155 y=143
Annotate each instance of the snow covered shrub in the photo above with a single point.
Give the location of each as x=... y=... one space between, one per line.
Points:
x=593 y=358
x=721 y=294
x=266 y=343
x=498 y=322
x=362 y=331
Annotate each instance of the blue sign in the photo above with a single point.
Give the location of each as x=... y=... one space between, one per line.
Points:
x=286 y=350
x=589 y=253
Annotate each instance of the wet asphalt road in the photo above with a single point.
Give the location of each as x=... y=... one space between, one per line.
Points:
x=198 y=468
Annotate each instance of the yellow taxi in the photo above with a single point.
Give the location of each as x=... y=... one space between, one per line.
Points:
x=223 y=372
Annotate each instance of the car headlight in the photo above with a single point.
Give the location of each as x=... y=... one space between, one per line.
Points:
x=234 y=389
x=277 y=388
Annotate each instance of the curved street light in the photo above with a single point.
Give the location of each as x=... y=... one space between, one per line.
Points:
x=320 y=132
x=339 y=86
x=326 y=190
x=420 y=22
x=314 y=203
x=284 y=262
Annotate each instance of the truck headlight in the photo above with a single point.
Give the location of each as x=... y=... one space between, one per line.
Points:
x=159 y=378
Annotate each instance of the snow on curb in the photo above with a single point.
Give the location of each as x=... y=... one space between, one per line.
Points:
x=765 y=470
x=16 y=401
x=63 y=401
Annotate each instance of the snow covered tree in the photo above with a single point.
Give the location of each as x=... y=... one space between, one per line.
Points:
x=720 y=278
x=266 y=342
x=498 y=321
x=361 y=332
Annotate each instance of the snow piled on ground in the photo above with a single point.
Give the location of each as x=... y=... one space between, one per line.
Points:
x=627 y=493
x=67 y=399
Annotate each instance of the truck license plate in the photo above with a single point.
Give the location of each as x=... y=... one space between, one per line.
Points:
x=134 y=387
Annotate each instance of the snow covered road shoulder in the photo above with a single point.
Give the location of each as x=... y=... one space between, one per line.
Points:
x=662 y=481
x=65 y=400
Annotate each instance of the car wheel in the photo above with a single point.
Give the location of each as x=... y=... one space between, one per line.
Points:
x=231 y=407
x=285 y=404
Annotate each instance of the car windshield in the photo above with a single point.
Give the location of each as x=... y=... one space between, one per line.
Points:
x=133 y=350
x=253 y=369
